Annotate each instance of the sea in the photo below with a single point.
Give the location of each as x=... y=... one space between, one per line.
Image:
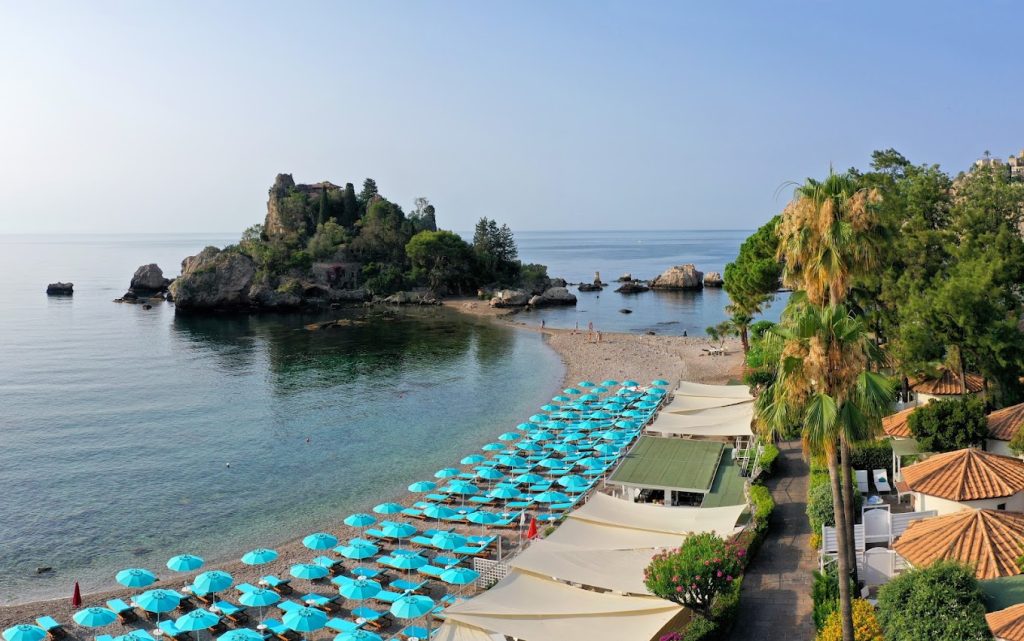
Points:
x=130 y=435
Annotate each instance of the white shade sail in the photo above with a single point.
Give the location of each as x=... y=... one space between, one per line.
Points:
x=687 y=388
x=618 y=570
x=690 y=404
x=603 y=509
x=733 y=420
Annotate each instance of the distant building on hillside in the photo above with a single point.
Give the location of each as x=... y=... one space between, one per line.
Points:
x=1015 y=164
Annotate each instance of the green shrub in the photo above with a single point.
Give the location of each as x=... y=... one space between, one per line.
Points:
x=947 y=425
x=768 y=458
x=825 y=595
x=704 y=566
x=724 y=613
x=941 y=601
x=872 y=455
x=761 y=377
x=820 y=508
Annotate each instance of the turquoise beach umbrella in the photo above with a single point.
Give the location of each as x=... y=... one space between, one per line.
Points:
x=158 y=600
x=241 y=634
x=309 y=571
x=524 y=426
x=24 y=632
x=447 y=540
x=529 y=446
x=589 y=398
x=358 y=550
x=561 y=399
x=399 y=530
x=422 y=486
x=538 y=418
x=94 y=617
x=211 y=582
x=481 y=517
x=586 y=384
x=510 y=436
x=542 y=435
x=360 y=589
x=529 y=478
x=259 y=598
x=459 y=576
x=552 y=497
x=411 y=606
x=433 y=511
x=184 y=563
x=607 y=449
x=135 y=577
x=549 y=408
x=492 y=447
x=511 y=461
x=359 y=519
x=660 y=381
x=195 y=620
x=359 y=635
x=600 y=414
x=304 y=620
x=574 y=483
x=571 y=391
x=630 y=383
x=388 y=508
x=259 y=556
x=320 y=541
x=446 y=473
x=409 y=561
x=505 y=493
x=490 y=474
x=473 y=459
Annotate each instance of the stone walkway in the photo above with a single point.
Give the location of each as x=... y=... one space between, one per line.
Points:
x=776 y=598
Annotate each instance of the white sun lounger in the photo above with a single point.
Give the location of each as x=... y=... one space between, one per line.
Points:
x=862 y=480
x=881 y=478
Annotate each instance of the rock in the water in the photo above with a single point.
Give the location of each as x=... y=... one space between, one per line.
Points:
x=60 y=289
x=558 y=282
x=625 y=310
x=148 y=279
x=625 y=278
x=589 y=287
x=147 y=306
x=217 y=280
x=713 y=279
x=679 y=277
x=632 y=287
x=553 y=296
x=510 y=298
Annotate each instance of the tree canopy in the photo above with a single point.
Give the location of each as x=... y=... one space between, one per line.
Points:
x=941 y=601
x=949 y=424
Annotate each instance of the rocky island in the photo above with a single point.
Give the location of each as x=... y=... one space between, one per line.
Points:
x=323 y=245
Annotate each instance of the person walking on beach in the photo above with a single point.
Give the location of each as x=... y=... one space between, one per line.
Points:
x=542 y=323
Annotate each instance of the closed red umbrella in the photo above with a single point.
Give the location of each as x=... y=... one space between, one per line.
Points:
x=531 y=532
x=76 y=598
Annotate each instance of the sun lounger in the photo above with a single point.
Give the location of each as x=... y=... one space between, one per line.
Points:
x=414 y=632
x=54 y=630
x=516 y=505
x=245 y=587
x=403 y=585
x=104 y=637
x=422 y=540
x=232 y=612
x=171 y=631
x=387 y=596
x=448 y=561
x=472 y=550
x=281 y=586
x=432 y=571
x=862 y=480
x=341 y=580
x=881 y=478
x=342 y=625
x=413 y=512
x=279 y=630
x=374 y=619
x=320 y=601
x=375 y=533
x=289 y=606
x=438 y=498
x=125 y=613
x=362 y=570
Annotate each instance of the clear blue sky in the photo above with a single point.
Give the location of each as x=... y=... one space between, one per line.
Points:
x=175 y=116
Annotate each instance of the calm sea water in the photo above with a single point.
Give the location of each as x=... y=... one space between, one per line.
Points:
x=117 y=423
x=577 y=255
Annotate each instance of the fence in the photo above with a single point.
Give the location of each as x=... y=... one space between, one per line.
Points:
x=491 y=571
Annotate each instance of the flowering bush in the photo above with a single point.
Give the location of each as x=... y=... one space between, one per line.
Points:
x=865 y=624
x=702 y=567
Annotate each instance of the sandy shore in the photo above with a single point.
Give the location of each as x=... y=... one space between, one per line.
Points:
x=641 y=357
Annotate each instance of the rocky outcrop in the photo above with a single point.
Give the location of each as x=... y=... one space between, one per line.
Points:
x=632 y=287
x=553 y=296
x=147 y=283
x=679 y=277
x=713 y=279
x=291 y=208
x=589 y=287
x=558 y=282
x=60 y=289
x=510 y=298
x=625 y=278
x=410 y=298
x=217 y=280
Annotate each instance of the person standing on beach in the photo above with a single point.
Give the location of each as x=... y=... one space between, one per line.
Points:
x=542 y=323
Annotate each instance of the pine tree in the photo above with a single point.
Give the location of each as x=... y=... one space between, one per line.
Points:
x=369 y=191
x=325 y=209
x=350 y=206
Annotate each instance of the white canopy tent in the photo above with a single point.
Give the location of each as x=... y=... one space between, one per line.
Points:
x=687 y=404
x=537 y=609
x=736 y=425
x=617 y=570
x=603 y=509
x=584 y=535
x=457 y=632
x=687 y=388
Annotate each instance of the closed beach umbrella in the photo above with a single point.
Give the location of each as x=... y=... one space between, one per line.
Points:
x=359 y=519
x=411 y=606
x=552 y=497
x=184 y=563
x=447 y=540
x=509 y=436
x=309 y=571
x=360 y=589
x=359 y=635
x=24 y=632
x=304 y=620
x=158 y=601
x=357 y=550
x=492 y=447
x=94 y=617
x=259 y=556
x=459 y=576
x=473 y=459
x=135 y=577
x=211 y=582
x=241 y=634
x=506 y=493
x=388 y=508
x=423 y=486
x=259 y=598
x=195 y=620
x=439 y=512
x=481 y=517
x=320 y=541
x=446 y=473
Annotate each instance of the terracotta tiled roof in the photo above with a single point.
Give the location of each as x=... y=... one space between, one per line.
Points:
x=1007 y=624
x=1003 y=424
x=966 y=475
x=896 y=425
x=948 y=384
x=990 y=540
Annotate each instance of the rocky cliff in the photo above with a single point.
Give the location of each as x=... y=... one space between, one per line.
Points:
x=679 y=277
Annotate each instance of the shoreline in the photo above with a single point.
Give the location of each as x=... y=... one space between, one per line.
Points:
x=619 y=355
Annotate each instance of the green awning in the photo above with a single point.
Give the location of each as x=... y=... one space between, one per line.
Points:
x=905 y=447
x=669 y=464
x=1003 y=592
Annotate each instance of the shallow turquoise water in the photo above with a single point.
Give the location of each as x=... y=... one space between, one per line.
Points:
x=117 y=423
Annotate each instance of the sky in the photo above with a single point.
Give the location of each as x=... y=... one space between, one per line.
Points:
x=176 y=116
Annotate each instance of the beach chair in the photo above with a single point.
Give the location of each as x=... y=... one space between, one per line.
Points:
x=325 y=603
x=387 y=596
x=432 y=571
x=881 y=478
x=232 y=612
x=289 y=606
x=281 y=586
x=472 y=550
x=341 y=580
x=333 y=566
x=342 y=625
x=862 y=480
x=171 y=631
x=422 y=540
x=402 y=585
x=125 y=613
x=53 y=629
x=104 y=637
x=414 y=632
x=279 y=630
x=375 y=533
x=374 y=619
x=448 y=561
x=362 y=570
x=245 y=587
x=413 y=512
